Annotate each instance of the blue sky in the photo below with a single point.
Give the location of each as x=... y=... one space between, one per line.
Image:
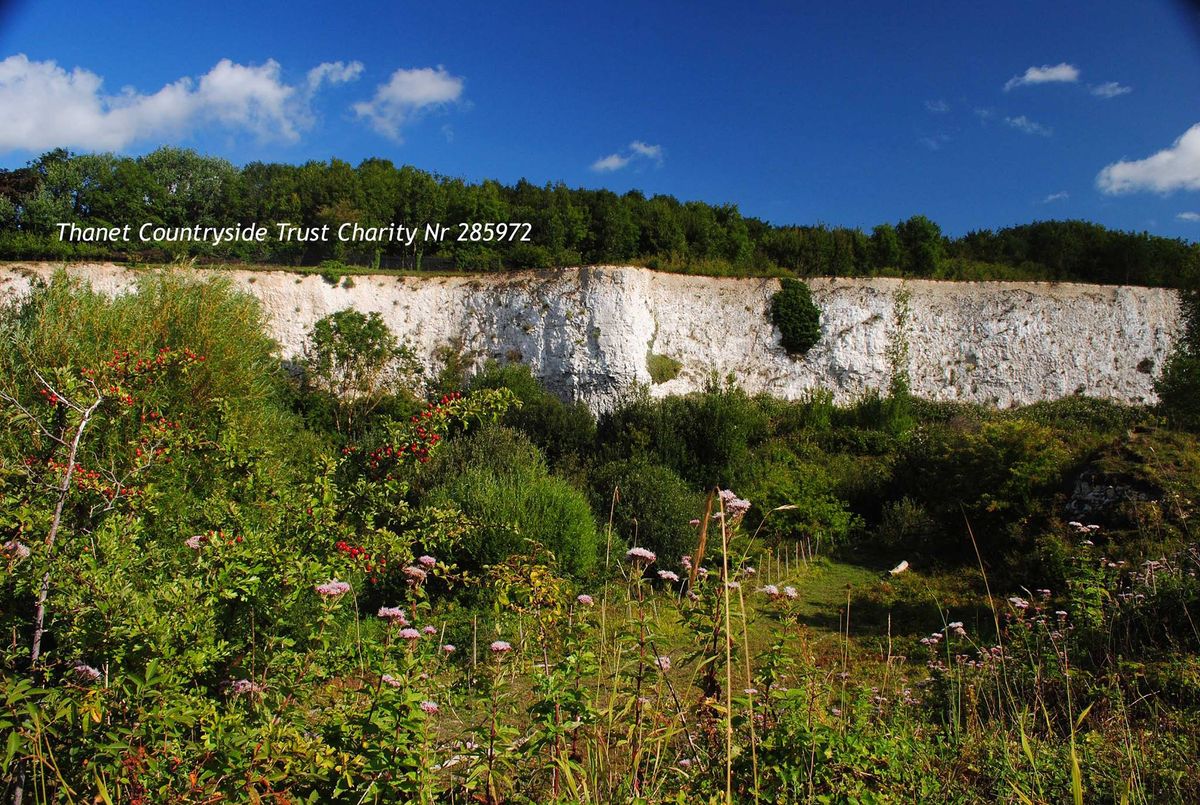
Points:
x=977 y=115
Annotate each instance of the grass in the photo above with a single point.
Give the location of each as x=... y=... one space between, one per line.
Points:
x=662 y=368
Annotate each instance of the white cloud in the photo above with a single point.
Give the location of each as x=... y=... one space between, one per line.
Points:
x=334 y=72
x=1061 y=195
x=637 y=150
x=1189 y=216
x=43 y=106
x=937 y=107
x=1046 y=74
x=406 y=95
x=1110 y=89
x=1174 y=168
x=654 y=152
x=1028 y=126
x=984 y=114
x=612 y=162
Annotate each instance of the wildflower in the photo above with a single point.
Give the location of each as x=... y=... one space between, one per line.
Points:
x=429 y=707
x=835 y=711
x=85 y=674
x=663 y=663
x=701 y=572
x=751 y=691
x=791 y=593
x=957 y=628
x=391 y=681
x=410 y=634
x=733 y=585
x=333 y=588
x=749 y=571
x=429 y=629
x=640 y=555
x=427 y=561
x=694 y=521
x=1087 y=542
x=770 y=590
x=415 y=574
x=394 y=615
x=685 y=763
x=1018 y=602
x=500 y=647
x=244 y=687
x=584 y=600
x=1060 y=613
x=734 y=506
x=17 y=549
x=448 y=648
x=194 y=542
x=668 y=575
x=685 y=562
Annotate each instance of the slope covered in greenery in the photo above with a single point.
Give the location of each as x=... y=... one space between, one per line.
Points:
x=222 y=581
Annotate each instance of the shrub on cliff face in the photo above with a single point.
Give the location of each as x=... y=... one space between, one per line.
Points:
x=796 y=316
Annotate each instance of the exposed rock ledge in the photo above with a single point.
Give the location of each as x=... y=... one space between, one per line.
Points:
x=588 y=332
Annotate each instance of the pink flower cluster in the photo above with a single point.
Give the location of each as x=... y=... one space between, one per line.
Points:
x=85 y=674
x=393 y=615
x=16 y=549
x=636 y=555
x=244 y=687
x=332 y=588
x=734 y=506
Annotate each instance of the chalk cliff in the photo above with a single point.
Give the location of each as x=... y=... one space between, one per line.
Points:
x=588 y=333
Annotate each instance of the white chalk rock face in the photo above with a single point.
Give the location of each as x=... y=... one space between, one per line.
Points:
x=589 y=333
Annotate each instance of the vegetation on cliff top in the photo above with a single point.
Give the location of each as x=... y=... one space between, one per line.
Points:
x=179 y=188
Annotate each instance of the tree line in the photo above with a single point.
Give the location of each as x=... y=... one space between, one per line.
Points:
x=569 y=226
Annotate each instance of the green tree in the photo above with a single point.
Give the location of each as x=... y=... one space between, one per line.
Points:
x=921 y=246
x=885 y=247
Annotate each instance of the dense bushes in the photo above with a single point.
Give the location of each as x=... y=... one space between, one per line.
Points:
x=498 y=479
x=795 y=315
x=653 y=507
x=705 y=438
x=559 y=429
x=1178 y=387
